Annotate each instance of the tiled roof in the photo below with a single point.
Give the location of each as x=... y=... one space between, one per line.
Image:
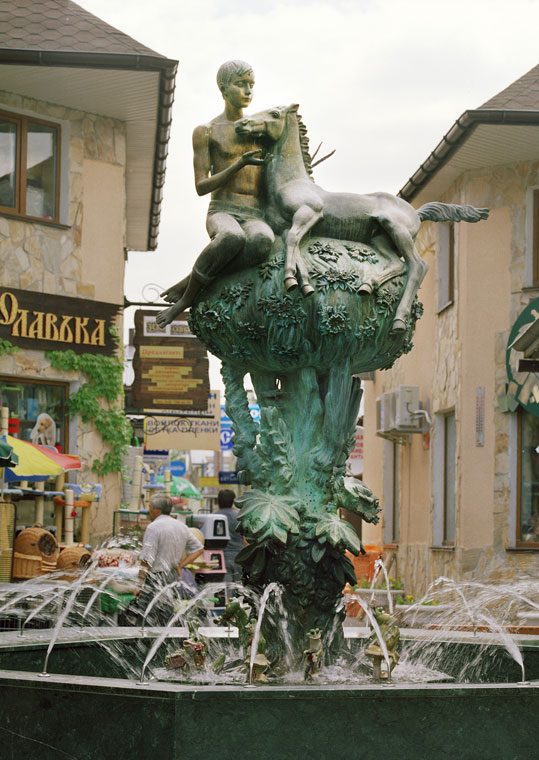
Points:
x=61 y=26
x=522 y=95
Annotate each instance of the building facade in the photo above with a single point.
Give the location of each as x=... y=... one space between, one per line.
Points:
x=459 y=496
x=84 y=122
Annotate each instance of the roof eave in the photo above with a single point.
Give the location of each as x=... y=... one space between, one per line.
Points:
x=167 y=69
x=456 y=137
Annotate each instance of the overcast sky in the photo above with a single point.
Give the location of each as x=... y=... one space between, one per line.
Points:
x=379 y=81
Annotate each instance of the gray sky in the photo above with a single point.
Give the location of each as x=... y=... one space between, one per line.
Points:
x=379 y=81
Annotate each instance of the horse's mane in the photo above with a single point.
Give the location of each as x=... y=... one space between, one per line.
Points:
x=304 y=144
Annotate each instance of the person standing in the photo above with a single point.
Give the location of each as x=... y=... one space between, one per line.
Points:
x=163 y=556
x=225 y=500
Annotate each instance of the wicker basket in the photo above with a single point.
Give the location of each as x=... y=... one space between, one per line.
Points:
x=26 y=565
x=35 y=552
x=73 y=557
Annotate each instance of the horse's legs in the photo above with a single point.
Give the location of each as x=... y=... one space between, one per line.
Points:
x=417 y=269
x=303 y=220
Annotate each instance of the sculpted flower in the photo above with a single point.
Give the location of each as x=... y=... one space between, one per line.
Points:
x=362 y=253
x=213 y=318
x=237 y=294
x=368 y=328
x=337 y=279
x=334 y=319
x=269 y=267
x=325 y=251
x=251 y=330
x=284 y=310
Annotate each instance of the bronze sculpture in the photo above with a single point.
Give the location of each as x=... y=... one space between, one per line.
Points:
x=354 y=257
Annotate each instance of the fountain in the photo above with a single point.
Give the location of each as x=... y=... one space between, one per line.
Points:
x=327 y=291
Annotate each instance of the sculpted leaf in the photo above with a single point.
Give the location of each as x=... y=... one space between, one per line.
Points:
x=263 y=516
x=339 y=533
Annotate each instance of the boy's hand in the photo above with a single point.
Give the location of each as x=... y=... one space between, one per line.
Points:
x=248 y=159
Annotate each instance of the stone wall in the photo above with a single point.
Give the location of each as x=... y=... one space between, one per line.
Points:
x=49 y=258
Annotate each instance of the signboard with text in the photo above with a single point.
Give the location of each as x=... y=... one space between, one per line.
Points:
x=228 y=478
x=57 y=323
x=227 y=433
x=170 y=366
x=355 y=460
x=185 y=433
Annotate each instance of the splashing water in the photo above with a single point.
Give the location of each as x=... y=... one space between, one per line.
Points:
x=270 y=588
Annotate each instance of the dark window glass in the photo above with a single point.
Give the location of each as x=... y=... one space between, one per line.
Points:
x=8 y=163
x=528 y=507
x=396 y=492
x=445 y=255
x=450 y=449
x=41 y=161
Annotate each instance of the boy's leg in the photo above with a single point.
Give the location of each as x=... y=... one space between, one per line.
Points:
x=227 y=239
x=259 y=239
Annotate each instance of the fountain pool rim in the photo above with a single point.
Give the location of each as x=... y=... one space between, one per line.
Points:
x=99 y=718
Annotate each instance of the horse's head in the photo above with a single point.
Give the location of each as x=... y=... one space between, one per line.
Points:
x=269 y=123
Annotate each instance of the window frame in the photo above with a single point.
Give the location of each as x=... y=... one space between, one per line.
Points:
x=392 y=492
x=19 y=210
x=446 y=266
x=439 y=481
x=518 y=527
x=449 y=541
x=13 y=379
x=535 y=236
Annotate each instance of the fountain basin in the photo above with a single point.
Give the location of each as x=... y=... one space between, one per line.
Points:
x=98 y=718
x=111 y=652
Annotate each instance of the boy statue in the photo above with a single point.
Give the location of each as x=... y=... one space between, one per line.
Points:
x=229 y=166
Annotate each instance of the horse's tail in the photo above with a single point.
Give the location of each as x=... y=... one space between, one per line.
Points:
x=451 y=212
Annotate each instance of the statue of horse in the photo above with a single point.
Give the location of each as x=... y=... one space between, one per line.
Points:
x=381 y=219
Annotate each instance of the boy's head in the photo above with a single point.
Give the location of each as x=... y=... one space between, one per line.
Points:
x=229 y=70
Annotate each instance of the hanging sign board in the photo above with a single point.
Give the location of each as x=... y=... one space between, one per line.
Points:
x=355 y=460
x=51 y=323
x=170 y=366
x=186 y=433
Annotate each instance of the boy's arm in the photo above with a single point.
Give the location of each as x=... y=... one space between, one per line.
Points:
x=204 y=181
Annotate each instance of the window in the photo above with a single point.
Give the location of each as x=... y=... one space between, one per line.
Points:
x=535 y=237
x=445 y=255
x=37 y=411
x=444 y=477
x=29 y=167
x=527 y=479
x=391 y=492
x=450 y=448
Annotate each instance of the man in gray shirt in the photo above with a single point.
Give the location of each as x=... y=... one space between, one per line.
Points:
x=225 y=500
x=164 y=548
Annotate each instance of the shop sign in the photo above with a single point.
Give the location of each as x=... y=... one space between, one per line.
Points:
x=208 y=482
x=185 y=433
x=170 y=366
x=228 y=478
x=49 y=322
x=355 y=460
x=178 y=468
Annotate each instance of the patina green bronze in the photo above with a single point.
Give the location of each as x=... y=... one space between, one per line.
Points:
x=390 y=634
x=354 y=260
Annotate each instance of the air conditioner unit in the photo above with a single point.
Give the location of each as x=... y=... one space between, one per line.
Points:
x=396 y=412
